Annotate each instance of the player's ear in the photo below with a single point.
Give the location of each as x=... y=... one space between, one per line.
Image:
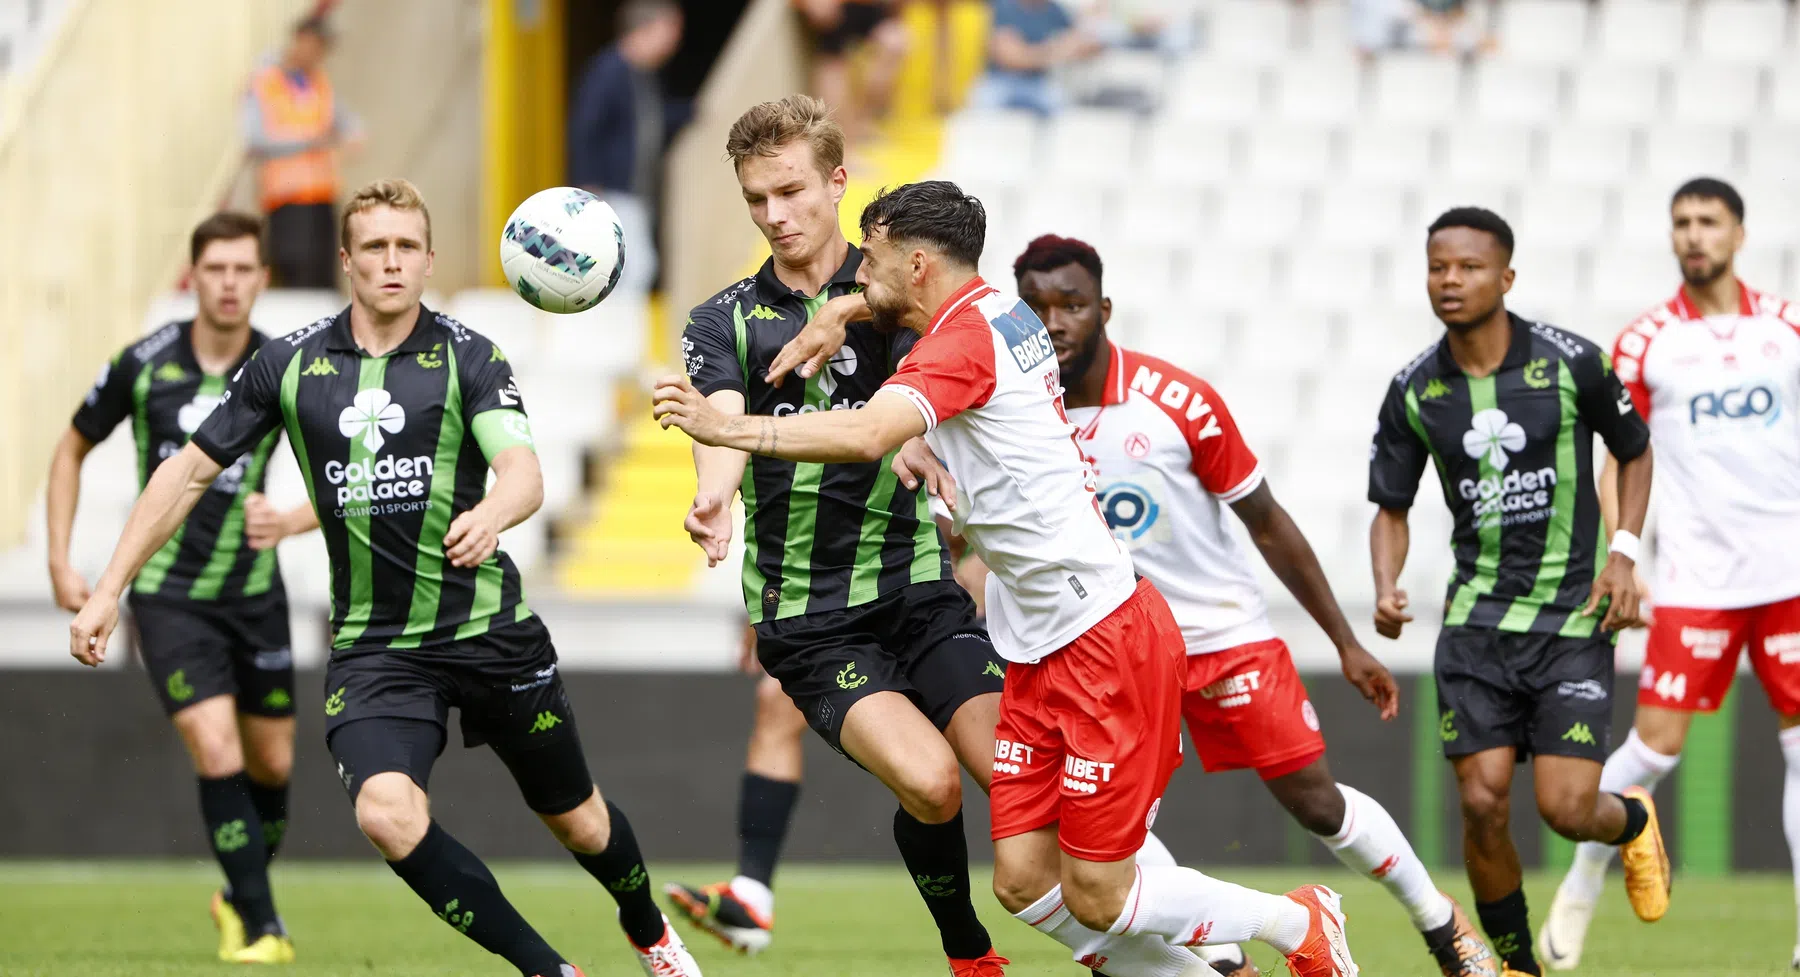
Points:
x=1506 y=280
x=430 y=259
x=840 y=183
x=1105 y=311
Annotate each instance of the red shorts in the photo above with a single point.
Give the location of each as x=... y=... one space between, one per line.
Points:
x=1090 y=735
x=1693 y=654
x=1247 y=708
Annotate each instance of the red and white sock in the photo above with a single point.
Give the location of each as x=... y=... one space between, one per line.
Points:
x=1189 y=908
x=1372 y=844
x=1119 y=956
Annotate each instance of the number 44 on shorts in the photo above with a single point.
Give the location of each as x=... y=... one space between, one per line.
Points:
x=1669 y=686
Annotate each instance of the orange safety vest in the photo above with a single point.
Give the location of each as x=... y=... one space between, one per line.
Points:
x=291 y=113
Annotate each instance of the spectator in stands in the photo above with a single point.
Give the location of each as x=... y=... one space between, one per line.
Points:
x=295 y=129
x=621 y=122
x=1029 y=38
x=839 y=28
x=1441 y=26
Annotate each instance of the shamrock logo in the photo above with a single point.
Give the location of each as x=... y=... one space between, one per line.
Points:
x=1491 y=436
x=369 y=414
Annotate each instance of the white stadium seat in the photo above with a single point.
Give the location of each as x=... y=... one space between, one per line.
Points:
x=1784 y=92
x=1761 y=266
x=1561 y=214
x=1388 y=154
x=1253 y=31
x=1441 y=195
x=603 y=342
x=1350 y=213
x=1488 y=152
x=504 y=317
x=1230 y=276
x=1327 y=26
x=1088 y=145
x=1543 y=31
x=1742 y=30
x=1417 y=88
x=1643 y=31
x=1324 y=276
x=1171 y=217
x=1216 y=91
x=1260 y=214
x=1643 y=214
x=1631 y=276
x=1772 y=214
x=1587 y=153
x=992 y=145
x=280 y=311
x=1716 y=93
x=1184 y=154
x=1771 y=152
x=1289 y=153
x=1547 y=281
x=1325 y=90
x=1679 y=152
x=174 y=306
x=1069 y=210
x=1517 y=91
x=1134 y=268
x=1616 y=94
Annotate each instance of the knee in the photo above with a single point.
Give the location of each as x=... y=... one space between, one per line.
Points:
x=586 y=829
x=934 y=796
x=1096 y=907
x=270 y=765
x=1484 y=808
x=1320 y=809
x=1567 y=815
x=394 y=816
x=1018 y=888
x=216 y=751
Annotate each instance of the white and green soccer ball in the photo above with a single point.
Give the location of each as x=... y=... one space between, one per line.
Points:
x=563 y=250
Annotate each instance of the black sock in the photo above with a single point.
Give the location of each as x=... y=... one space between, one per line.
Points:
x=1442 y=944
x=271 y=806
x=462 y=892
x=1637 y=817
x=1508 y=924
x=765 y=807
x=235 y=834
x=620 y=869
x=937 y=858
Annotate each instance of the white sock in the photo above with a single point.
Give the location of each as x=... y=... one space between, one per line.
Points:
x=754 y=894
x=1155 y=852
x=1189 y=908
x=1633 y=764
x=1790 y=801
x=1371 y=843
x=1120 y=956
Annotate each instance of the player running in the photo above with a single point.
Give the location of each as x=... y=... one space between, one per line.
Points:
x=1716 y=373
x=845 y=578
x=210 y=609
x=1507 y=409
x=1090 y=724
x=396 y=415
x=1170 y=460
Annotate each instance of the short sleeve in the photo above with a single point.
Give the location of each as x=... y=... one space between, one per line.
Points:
x=1628 y=362
x=1607 y=407
x=709 y=352
x=947 y=372
x=499 y=430
x=108 y=402
x=1398 y=455
x=487 y=382
x=251 y=408
x=1223 y=460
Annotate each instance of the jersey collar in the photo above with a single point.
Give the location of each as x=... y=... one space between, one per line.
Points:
x=1115 y=376
x=1687 y=310
x=339 y=339
x=977 y=288
x=770 y=289
x=1517 y=351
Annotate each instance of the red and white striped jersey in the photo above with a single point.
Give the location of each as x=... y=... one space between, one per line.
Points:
x=1170 y=459
x=1722 y=396
x=985 y=378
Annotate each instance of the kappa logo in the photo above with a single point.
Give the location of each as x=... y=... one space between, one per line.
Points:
x=1435 y=388
x=319 y=367
x=765 y=313
x=1580 y=733
x=370 y=413
x=170 y=372
x=1491 y=436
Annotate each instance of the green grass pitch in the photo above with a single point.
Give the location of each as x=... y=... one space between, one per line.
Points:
x=108 y=919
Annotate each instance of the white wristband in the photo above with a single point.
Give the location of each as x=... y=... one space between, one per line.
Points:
x=1625 y=544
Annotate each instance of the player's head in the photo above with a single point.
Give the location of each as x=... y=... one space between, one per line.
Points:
x=789 y=157
x=309 y=44
x=228 y=271
x=1468 y=254
x=1060 y=278
x=1706 y=218
x=386 y=241
x=915 y=237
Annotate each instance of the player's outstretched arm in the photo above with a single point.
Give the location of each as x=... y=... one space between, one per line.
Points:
x=827 y=437
x=718 y=473
x=819 y=340
x=61 y=494
x=1389 y=538
x=174 y=488
x=517 y=492
x=1285 y=549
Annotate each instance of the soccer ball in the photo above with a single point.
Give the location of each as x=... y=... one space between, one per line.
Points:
x=563 y=250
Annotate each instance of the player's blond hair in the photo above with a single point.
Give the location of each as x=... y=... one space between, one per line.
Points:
x=768 y=128
x=396 y=193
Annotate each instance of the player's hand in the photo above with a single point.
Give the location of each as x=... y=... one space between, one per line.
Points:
x=262 y=522
x=819 y=340
x=92 y=629
x=70 y=588
x=1617 y=587
x=472 y=538
x=1390 y=614
x=1372 y=679
x=677 y=404
x=708 y=524
x=915 y=463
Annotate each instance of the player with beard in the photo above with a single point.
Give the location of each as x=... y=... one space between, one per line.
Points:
x=1507 y=410
x=1716 y=373
x=1171 y=461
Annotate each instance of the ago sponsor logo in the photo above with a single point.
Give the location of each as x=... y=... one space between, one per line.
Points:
x=1233 y=691
x=1712 y=410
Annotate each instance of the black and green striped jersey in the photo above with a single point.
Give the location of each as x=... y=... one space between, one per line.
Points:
x=1515 y=453
x=392 y=449
x=158 y=383
x=818 y=537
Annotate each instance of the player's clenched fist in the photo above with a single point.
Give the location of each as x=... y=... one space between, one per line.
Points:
x=93 y=628
x=678 y=404
x=1390 y=614
x=472 y=538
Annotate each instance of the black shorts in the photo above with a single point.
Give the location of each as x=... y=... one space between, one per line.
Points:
x=197 y=649
x=856 y=21
x=505 y=686
x=921 y=641
x=1538 y=693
